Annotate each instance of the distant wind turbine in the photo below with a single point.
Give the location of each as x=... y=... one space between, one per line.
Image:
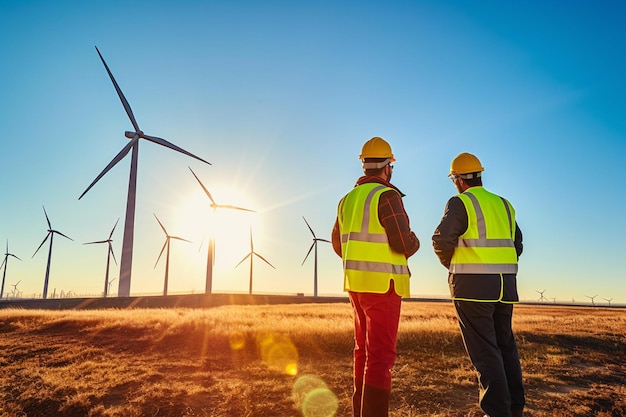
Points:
x=251 y=255
x=111 y=282
x=593 y=303
x=15 y=292
x=50 y=235
x=541 y=298
x=168 y=238
x=313 y=245
x=129 y=222
x=109 y=254
x=608 y=300
x=5 y=264
x=210 y=259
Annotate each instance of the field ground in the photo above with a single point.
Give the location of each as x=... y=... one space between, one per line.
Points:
x=291 y=360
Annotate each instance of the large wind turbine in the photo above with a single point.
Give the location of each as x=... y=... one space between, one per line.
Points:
x=168 y=238
x=50 y=235
x=109 y=254
x=314 y=244
x=251 y=255
x=4 y=264
x=129 y=222
x=210 y=259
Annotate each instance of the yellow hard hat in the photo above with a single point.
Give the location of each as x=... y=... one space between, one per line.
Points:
x=376 y=148
x=465 y=163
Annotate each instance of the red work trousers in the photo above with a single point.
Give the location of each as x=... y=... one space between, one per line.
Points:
x=376 y=318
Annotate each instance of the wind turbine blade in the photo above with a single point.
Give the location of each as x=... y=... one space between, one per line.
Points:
x=114 y=226
x=203 y=187
x=113 y=162
x=112 y=253
x=266 y=261
x=245 y=257
x=170 y=145
x=44 y=241
x=307 y=254
x=99 y=241
x=307 y=223
x=180 y=238
x=201 y=243
x=47 y=219
x=3 y=262
x=67 y=237
x=10 y=254
x=161 y=224
x=129 y=111
x=162 y=249
x=323 y=240
x=251 y=243
x=228 y=206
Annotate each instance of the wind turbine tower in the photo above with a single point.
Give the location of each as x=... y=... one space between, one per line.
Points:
x=251 y=255
x=541 y=298
x=210 y=259
x=593 y=303
x=168 y=238
x=50 y=235
x=313 y=246
x=129 y=222
x=5 y=264
x=109 y=254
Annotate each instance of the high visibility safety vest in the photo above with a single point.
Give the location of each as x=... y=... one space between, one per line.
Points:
x=487 y=246
x=369 y=263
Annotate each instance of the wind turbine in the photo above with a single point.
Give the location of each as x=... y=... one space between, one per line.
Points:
x=541 y=298
x=168 y=238
x=109 y=254
x=591 y=298
x=15 y=292
x=111 y=282
x=210 y=259
x=5 y=264
x=314 y=244
x=608 y=300
x=129 y=222
x=251 y=255
x=50 y=235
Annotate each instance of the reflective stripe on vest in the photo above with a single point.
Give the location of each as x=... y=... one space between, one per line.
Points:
x=369 y=262
x=476 y=253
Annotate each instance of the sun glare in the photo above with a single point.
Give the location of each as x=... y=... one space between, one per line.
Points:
x=199 y=222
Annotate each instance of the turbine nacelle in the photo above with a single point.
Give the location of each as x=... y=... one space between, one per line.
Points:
x=131 y=135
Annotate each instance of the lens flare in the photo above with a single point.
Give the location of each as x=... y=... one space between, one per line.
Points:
x=279 y=352
x=237 y=340
x=321 y=402
x=303 y=386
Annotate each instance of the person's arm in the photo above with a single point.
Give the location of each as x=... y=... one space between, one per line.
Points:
x=519 y=245
x=394 y=219
x=336 y=238
x=453 y=224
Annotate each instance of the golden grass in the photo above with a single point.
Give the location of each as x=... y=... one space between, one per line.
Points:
x=263 y=360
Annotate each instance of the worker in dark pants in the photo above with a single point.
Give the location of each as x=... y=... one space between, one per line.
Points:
x=479 y=241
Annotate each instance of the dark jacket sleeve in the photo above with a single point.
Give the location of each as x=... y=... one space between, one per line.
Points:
x=453 y=224
x=519 y=245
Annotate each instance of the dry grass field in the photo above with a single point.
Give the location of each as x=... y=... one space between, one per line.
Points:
x=291 y=360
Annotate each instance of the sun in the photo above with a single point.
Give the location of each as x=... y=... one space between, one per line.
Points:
x=228 y=226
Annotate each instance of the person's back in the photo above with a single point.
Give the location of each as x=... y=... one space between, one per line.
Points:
x=374 y=240
x=478 y=240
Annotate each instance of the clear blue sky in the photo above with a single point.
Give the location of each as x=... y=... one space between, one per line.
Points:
x=279 y=96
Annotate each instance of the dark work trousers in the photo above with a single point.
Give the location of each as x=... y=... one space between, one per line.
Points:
x=490 y=344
